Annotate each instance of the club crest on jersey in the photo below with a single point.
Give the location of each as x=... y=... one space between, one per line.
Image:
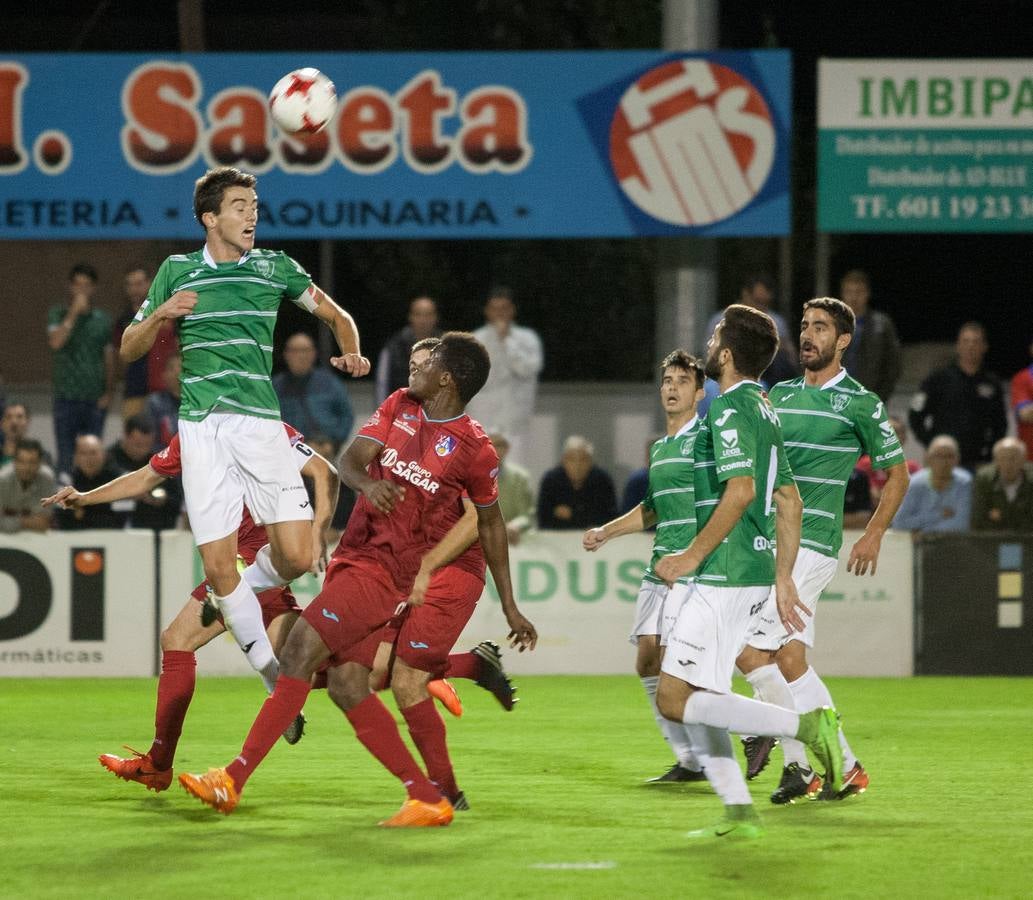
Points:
x=840 y=401
x=263 y=266
x=445 y=445
x=687 y=445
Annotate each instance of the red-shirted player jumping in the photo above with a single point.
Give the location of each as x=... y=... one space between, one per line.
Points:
x=422 y=454
x=185 y=634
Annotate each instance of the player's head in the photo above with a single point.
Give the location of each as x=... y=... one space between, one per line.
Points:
x=855 y=289
x=28 y=457
x=460 y=364
x=681 y=382
x=745 y=341
x=826 y=330
x=419 y=355
x=423 y=317
x=226 y=205
x=972 y=345
x=942 y=456
x=15 y=421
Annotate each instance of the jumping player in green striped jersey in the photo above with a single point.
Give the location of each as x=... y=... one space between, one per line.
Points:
x=745 y=499
x=669 y=506
x=224 y=299
x=828 y=420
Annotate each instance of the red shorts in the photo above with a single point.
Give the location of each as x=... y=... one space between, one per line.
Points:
x=424 y=635
x=357 y=599
x=274 y=602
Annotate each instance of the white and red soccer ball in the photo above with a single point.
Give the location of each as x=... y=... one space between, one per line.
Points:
x=303 y=101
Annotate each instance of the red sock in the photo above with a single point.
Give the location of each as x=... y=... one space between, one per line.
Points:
x=428 y=733
x=463 y=665
x=278 y=711
x=376 y=729
x=175 y=690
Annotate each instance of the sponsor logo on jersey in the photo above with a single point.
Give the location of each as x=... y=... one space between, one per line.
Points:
x=263 y=266
x=408 y=429
x=888 y=433
x=412 y=472
x=724 y=417
x=409 y=417
x=494 y=473
x=419 y=645
x=445 y=445
x=687 y=445
x=761 y=543
x=840 y=401
x=374 y=419
x=738 y=464
x=730 y=440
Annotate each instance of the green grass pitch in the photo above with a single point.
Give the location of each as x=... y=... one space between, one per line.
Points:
x=555 y=783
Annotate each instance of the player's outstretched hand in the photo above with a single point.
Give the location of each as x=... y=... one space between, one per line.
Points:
x=790 y=605
x=593 y=539
x=66 y=498
x=180 y=304
x=384 y=495
x=352 y=363
x=522 y=633
x=865 y=553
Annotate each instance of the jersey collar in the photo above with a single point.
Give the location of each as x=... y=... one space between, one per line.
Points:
x=213 y=264
x=833 y=381
x=427 y=418
x=685 y=428
x=739 y=384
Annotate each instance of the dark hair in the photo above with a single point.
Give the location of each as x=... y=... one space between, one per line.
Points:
x=30 y=444
x=83 y=269
x=751 y=336
x=502 y=292
x=209 y=188
x=842 y=315
x=466 y=360
x=682 y=359
x=140 y=422
x=427 y=343
x=755 y=278
x=858 y=275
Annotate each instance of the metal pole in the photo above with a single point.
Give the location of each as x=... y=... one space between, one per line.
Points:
x=191 y=25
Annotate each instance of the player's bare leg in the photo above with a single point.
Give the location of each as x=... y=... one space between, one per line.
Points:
x=239 y=605
x=287 y=556
x=648 y=655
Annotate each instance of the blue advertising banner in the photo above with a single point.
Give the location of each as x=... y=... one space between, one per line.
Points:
x=423 y=145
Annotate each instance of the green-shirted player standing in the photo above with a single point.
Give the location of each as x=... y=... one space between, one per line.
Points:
x=669 y=505
x=745 y=498
x=224 y=299
x=828 y=420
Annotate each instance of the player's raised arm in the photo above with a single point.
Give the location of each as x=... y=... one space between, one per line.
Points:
x=342 y=325
x=327 y=490
x=491 y=529
x=140 y=336
x=637 y=519
x=132 y=484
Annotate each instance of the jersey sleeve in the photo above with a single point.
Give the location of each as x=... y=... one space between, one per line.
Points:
x=784 y=473
x=875 y=431
x=378 y=425
x=298 y=283
x=482 y=478
x=159 y=291
x=167 y=462
x=733 y=432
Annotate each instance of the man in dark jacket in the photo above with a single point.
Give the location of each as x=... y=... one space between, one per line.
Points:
x=577 y=494
x=964 y=400
x=392 y=370
x=873 y=357
x=1002 y=498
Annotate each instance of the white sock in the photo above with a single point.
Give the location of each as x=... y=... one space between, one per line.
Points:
x=769 y=685
x=242 y=614
x=713 y=748
x=742 y=715
x=262 y=574
x=675 y=733
x=809 y=692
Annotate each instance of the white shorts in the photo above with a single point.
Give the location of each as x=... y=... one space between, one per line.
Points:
x=812 y=573
x=648 y=609
x=713 y=625
x=673 y=603
x=231 y=459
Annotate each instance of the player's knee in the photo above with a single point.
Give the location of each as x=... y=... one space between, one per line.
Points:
x=408 y=685
x=647 y=662
x=670 y=700
x=347 y=693
x=293 y=562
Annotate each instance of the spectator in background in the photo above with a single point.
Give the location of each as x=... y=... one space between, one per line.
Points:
x=873 y=357
x=393 y=362
x=1002 y=499
x=758 y=291
x=163 y=406
x=15 y=426
x=22 y=486
x=90 y=469
x=939 y=497
x=516 y=496
x=84 y=364
x=1022 y=404
x=638 y=482
x=877 y=477
x=312 y=399
x=576 y=494
x=134 y=376
x=157 y=509
x=964 y=400
x=506 y=402
x=857 y=501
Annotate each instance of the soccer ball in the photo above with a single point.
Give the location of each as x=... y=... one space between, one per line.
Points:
x=303 y=101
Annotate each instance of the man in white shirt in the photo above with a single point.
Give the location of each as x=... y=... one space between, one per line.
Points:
x=506 y=402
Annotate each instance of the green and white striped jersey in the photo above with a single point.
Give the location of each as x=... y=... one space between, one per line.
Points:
x=672 y=493
x=227 y=341
x=825 y=430
x=740 y=436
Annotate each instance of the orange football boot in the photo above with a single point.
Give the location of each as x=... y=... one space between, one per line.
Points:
x=441 y=689
x=419 y=814
x=138 y=768
x=215 y=788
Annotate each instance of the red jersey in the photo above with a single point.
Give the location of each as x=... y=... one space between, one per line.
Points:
x=250 y=537
x=1021 y=396
x=436 y=462
x=472 y=558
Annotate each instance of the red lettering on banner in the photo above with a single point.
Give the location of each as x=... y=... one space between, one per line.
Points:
x=366 y=130
x=494 y=132
x=240 y=130
x=306 y=153
x=159 y=101
x=424 y=103
x=13 y=79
